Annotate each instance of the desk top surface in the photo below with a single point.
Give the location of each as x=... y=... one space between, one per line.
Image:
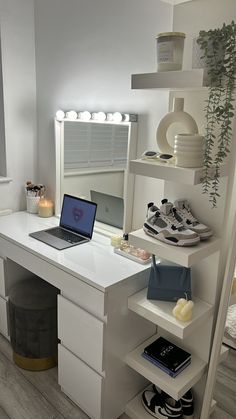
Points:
x=93 y=262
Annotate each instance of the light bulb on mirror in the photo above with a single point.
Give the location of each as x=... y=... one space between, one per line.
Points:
x=85 y=116
x=94 y=116
x=101 y=116
x=126 y=117
x=117 y=117
x=60 y=115
x=71 y=115
x=109 y=116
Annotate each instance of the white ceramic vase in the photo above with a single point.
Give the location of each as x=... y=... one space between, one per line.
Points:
x=177 y=116
x=32 y=203
x=189 y=150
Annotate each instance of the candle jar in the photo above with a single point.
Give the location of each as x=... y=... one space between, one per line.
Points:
x=45 y=208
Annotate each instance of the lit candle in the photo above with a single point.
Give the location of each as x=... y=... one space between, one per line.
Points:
x=45 y=208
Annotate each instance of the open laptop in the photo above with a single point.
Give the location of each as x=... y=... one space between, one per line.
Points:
x=110 y=208
x=76 y=224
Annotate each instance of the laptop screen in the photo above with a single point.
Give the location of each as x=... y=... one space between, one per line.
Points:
x=78 y=215
x=110 y=208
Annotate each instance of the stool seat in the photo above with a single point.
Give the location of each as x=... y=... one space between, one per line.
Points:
x=33 y=323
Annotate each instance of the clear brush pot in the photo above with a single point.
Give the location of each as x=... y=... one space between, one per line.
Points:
x=189 y=150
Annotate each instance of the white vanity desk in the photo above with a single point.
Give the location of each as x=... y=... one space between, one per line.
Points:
x=95 y=327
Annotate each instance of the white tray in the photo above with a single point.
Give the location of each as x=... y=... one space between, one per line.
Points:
x=132 y=257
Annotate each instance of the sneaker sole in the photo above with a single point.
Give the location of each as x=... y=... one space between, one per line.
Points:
x=180 y=243
x=205 y=236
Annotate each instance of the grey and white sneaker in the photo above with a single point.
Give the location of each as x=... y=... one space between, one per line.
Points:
x=156 y=406
x=184 y=215
x=162 y=225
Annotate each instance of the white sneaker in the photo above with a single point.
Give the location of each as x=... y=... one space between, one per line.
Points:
x=162 y=225
x=184 y=215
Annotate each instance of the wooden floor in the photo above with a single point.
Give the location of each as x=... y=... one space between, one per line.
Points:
x=225 y=388
x=29 y=395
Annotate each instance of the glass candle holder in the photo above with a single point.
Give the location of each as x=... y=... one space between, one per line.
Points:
x=45 y=208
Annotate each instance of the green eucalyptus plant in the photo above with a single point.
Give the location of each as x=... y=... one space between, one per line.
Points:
x=219 y=53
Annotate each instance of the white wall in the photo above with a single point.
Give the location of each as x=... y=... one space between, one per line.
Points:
x=19 y=89
x=86 y=51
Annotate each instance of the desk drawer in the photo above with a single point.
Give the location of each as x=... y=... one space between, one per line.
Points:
x=81 y=333
x=2 y=278
x=80 y=382
x=4 y=317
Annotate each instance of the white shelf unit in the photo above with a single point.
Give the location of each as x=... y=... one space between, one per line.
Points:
x=195 y=336
x=175 y=387
x=185 y=256
x=171 y=80
x=160 y=170
x=160 y=313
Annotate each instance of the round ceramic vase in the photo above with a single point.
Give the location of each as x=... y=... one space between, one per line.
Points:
x=189 y=150
x=178 y=115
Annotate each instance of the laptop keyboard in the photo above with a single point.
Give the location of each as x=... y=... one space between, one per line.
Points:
x=65 y=235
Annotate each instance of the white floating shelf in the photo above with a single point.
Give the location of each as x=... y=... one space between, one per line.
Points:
x=185 y=256
x=175 y=387
x=160 y=313
x=160 y=170
x=174 y=80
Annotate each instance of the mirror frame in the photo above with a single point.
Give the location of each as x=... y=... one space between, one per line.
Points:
x=129 y=179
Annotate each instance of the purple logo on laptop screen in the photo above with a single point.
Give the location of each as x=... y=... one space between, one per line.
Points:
x=77 y=213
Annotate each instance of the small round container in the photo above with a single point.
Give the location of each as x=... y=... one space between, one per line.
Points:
x=170 y=47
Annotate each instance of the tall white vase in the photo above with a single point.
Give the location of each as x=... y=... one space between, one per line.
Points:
x=178 y=115
x=189 y=150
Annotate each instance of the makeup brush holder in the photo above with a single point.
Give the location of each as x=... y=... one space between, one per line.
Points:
x=32 y=204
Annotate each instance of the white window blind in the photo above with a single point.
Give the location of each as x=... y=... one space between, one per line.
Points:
x=94 y=145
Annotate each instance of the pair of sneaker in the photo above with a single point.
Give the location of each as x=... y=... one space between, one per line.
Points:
x=175 y=224
x=162 y=406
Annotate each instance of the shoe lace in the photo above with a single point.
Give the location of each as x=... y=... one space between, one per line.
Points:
x=170 y=218
x=190 y=216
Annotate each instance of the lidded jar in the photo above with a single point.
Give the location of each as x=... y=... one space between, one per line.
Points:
x=170 y=48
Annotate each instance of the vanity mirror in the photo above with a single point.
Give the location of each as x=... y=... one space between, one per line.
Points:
x=92 y=155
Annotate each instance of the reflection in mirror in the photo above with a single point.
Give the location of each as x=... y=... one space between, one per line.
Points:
x=93 y=156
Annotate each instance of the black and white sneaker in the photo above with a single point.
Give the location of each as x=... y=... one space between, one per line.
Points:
x=162 y=225
x=184 y=215
x=187 y=405
x=155 y=404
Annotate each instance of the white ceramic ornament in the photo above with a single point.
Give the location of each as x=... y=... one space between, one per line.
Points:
x=189 y=150
x=178 y=115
